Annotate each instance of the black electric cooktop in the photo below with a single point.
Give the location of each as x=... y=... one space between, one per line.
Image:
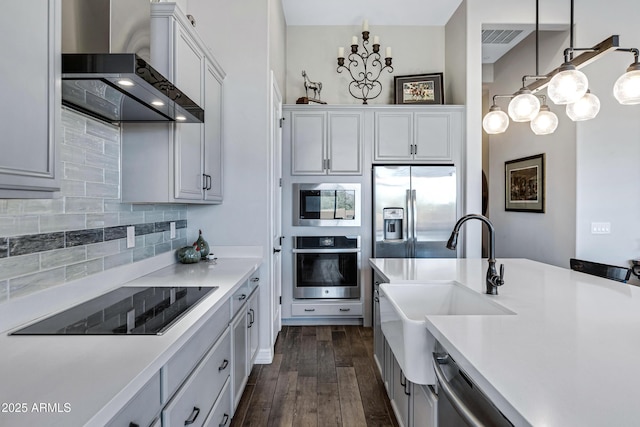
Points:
x=123 y=311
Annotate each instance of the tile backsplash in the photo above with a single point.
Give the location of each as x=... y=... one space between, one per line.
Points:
x=82 y=230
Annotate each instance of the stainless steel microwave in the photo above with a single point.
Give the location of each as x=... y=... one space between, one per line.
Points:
x=333 y=205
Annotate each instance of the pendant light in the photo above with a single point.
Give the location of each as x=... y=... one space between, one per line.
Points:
x=524 y=106
x=546 y=122
x=496 y=121
x=627 y=87
x=585 y=108
x=567 y=86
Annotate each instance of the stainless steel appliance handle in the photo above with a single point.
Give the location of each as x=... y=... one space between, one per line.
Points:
x=414 y=232
x=325 y=251
x=410 y=220
x=456 y=402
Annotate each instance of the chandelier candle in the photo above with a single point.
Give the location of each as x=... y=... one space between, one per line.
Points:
x=365 y=67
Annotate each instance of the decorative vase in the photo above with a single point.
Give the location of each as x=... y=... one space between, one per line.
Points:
x=203 y=245
x=188 y=255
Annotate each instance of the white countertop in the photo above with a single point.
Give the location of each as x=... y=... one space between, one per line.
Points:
x=570 y=355
x=91 y=377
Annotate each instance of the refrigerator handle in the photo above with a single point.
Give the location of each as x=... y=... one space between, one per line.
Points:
x=414 y=215
x=409 y=223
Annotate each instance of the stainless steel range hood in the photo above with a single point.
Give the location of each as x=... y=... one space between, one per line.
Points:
x=105 y=65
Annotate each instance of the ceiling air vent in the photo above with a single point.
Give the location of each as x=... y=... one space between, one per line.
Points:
x=499 y=36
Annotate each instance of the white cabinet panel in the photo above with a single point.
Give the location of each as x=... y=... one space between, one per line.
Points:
x=393 y=136
x=425 y=405
x=31 y=125
x=194 y=400
x=307 y=143
x=188 y=65
x=253 y=334
x=143 y=408
x=213 y=133
x=189 y=149
x=431 y=134
x=345 y=143
x=239 y=372
x=326 y=142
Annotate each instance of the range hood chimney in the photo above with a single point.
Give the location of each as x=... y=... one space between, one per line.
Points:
x=105 y=65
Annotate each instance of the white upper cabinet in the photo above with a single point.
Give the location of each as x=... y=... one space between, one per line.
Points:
x=422 y=134
x=326 y=142
x=30 y=85
x=192 y=152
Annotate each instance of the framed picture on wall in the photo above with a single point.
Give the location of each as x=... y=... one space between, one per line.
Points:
x=419 y=89
x=524 y=184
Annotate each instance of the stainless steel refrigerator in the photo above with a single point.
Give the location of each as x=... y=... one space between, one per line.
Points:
x=414 y=211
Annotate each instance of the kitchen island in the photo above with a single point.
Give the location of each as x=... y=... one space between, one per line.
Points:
x=72 y=380
x=568 y=357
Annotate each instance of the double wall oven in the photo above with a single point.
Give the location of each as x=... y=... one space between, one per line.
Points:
x=326 y=267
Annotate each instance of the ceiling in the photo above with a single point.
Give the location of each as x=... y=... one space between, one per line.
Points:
x=378 y=12
x=497 y=40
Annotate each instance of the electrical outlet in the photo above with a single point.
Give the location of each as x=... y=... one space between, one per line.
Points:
x=172 y=229
x=131 y=236
x=600 y=228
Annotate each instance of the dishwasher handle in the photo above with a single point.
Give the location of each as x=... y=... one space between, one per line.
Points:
x=456 y=402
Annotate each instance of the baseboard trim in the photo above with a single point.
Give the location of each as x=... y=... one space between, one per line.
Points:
x=264 y=357
x=321 y=321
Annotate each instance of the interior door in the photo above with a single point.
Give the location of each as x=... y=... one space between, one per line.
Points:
x=276 y=207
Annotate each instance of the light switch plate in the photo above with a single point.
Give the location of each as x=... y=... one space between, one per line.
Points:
x=600 y=228
x=131 y=236
x=172 y=229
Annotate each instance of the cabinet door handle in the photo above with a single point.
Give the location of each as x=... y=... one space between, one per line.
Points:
x=204 y=181
x=193 y=416
x=415 y=148
x=242 y=297
x=225 y=420
x=252 y=313
x=309 y=309
x=255 y=279
x=209 y=182
x=224 y=365
x=328 y=164
x=133 y=425
x=345 y=309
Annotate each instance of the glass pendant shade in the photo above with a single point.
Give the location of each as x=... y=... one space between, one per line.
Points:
x=627 y=87
x=585 y=108
x=524 y=106
x=545 y=122
x=567 y=86
x=496 y=121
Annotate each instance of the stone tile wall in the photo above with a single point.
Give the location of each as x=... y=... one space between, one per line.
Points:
x=82 y=230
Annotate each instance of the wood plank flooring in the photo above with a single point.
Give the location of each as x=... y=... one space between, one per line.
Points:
x=320 y=376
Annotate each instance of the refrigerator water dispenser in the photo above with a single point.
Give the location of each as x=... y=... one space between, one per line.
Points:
x=393 y=218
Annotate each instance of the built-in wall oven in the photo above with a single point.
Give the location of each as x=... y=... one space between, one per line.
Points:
x=326 y=267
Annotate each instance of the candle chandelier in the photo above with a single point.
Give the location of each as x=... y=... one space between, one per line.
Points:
x=566 y=85
x=365 y=67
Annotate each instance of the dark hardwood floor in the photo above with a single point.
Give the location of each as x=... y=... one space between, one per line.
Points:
x=320 y=376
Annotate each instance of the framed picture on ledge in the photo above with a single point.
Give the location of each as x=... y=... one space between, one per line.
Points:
x=419 y=89
x=524 y=184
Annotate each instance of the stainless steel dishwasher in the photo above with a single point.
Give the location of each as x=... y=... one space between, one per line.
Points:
x=460 y=401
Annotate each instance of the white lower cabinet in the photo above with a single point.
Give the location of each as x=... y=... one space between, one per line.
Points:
x=220 y=415
x=240 y=372
x=195 y=399
x=143 y=408
x=244 y=333
x=425 y=404
x=401 y=401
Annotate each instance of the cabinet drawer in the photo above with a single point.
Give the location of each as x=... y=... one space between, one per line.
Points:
x=196 y=397
x=182 y=363
x=143 y=408
x=239 y=298
x=220 y=415
x=330 y=309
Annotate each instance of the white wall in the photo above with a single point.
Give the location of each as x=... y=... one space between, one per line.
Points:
x=277 y=44
x=608 y=147
x=547 y=237
x=415 y=50
x=237 y=33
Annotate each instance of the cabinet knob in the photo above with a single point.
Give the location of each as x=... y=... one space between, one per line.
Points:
x=242 y=297
x=224 y=365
